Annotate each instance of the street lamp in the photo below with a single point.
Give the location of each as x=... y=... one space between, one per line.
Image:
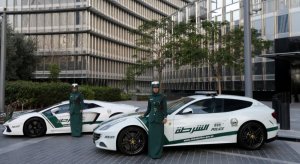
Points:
x=247 y=50
x=2 y=62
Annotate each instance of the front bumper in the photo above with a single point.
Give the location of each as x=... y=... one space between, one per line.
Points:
x=7 y=130
x=105 y=140
x=13 y=129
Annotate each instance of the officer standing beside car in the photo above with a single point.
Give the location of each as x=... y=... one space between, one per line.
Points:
x=76 y=107
x=157 y=111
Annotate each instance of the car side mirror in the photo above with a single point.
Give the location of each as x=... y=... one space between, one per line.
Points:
x=54 y=110
x=187 y=111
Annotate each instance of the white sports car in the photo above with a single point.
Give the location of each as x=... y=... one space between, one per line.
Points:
x=195 y=120
x=56 y=119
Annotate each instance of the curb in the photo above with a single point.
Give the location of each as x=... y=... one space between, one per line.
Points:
x=288 y=139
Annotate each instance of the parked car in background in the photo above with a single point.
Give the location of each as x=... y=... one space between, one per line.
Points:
x=56 y=119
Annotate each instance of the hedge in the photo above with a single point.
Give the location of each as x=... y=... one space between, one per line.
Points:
x=37 y=95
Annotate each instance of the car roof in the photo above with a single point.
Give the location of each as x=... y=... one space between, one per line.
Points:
x=199 y=97
x=100 y=103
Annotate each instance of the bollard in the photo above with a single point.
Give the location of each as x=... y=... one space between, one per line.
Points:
x=281 y=105
x=285 y=111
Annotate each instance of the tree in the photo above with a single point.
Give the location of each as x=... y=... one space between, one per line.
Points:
x=152 y=51
x=215 y=46
x=54 y=72
x=218 y=55
x=234 y=40
x=186 y=46
x=129 y=78
x=21 y=58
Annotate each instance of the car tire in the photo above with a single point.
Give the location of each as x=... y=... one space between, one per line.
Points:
x=132 y=140
x=251 y=136
x=34 y=127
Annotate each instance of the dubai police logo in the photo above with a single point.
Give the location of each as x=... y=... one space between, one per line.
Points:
x=191 y=130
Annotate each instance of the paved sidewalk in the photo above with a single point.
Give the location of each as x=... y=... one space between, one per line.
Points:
x=66 y=149
x=58 y=149
x=294 y=133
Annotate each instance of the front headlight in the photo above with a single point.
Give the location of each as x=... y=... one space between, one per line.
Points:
x=13 y=118
x=107 y=126
x=137 y=110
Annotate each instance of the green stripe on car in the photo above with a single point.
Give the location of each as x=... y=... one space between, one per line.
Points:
x=54 y=121
x=272 y=129
x=200 y=138
x=143 y=121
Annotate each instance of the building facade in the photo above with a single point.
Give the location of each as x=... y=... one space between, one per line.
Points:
x=275 y=20
x=92 y=41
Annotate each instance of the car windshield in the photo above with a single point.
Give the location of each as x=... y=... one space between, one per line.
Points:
x=173 y=106
x=40 y=109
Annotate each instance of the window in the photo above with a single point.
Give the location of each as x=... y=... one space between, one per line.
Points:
x=269 y=27
x=257 y=69
x=62 y=109
x=295 y=3
x=172 y=107
x=295 y=22
x=257 y=25
x=283 y=23
x=270 y=67
x=232 y=105
x=218 y=105
x=207 y=106
x=269 y=6
x=90 y=105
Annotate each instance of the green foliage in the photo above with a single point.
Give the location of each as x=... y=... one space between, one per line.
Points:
x=152 y=47
x=37 y=95
x=213 y=45
x=125 y=96
x=187 y=45
x=129 y=78
x=54 y=72
x=87 y=92
x=107 y=94
x=21 y=58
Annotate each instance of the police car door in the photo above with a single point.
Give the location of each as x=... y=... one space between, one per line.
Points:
x=63 y=116
x=199 y=122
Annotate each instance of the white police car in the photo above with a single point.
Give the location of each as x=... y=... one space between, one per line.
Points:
x=56 y=119
x=195 y=120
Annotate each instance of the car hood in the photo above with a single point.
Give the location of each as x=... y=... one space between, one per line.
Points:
x=17 y=115
x=121 y=106
x=121 y=116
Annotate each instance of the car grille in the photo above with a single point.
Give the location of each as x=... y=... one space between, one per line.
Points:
x=96 y=137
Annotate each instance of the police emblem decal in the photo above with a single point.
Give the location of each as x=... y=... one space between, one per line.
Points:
x=234 y=122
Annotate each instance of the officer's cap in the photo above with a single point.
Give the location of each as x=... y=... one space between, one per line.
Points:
x=75 y=85
x=155 y=84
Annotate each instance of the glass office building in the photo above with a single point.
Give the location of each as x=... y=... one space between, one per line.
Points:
x=275 y=20
x=91 y=40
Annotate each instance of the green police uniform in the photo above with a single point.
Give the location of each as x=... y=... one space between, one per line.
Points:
x=157 y=111
x=76 y=105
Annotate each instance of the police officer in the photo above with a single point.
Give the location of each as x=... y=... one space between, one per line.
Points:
x=76 y=107
x=157 y=111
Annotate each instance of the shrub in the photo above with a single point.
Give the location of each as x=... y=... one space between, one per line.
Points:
x=37 y=95
x=125 y=96
x=107 y=94
x=87 y=92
